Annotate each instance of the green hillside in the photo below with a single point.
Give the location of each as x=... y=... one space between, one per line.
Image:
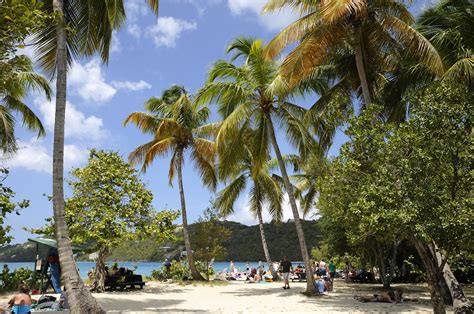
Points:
x=243 y=245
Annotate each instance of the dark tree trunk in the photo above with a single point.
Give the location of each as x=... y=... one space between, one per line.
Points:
x=434 y=276
x=100 y=272
x=393 y=261
x=187 y=241
x=299 y=226
x=79 y=297
x=460 y=302
x=383 y=267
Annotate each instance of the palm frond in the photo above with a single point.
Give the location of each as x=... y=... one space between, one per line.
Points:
x=227 y=197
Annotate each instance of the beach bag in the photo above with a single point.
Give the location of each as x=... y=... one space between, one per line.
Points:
x=46 y=298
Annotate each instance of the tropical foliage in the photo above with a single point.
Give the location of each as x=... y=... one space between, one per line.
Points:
x=7 y=206
x=177 y=124
x=208 y=238
x=110 y=205
x=252 y=96
x=401 y=186
x=18 y=20
x=410 y=182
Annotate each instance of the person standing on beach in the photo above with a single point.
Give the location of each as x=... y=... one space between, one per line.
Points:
x=322 y=268
x=231 y=266
x=346 y=272
x=332 y=269
x=260 y=268
x=286 y=268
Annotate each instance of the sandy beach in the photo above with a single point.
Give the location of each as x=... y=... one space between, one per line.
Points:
x=241 y=297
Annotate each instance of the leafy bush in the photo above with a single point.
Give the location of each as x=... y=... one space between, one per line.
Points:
x=12 y=280
x=178 y=271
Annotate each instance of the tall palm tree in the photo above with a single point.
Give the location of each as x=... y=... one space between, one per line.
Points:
x=12 y=92
x=253 y=95
x=264 y=190
x=177 y=125
x=92 y=23
x=377 y=32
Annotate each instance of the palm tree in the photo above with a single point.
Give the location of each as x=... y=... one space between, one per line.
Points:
x=92 y=23
x=306 y=189
x=178 y=125
x=252 y=95
x=12 y=92
x=448 y=26
x=264 y=190
x=377 y=32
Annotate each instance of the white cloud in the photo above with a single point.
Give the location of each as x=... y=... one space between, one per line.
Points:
x=272 y=21
x=201 y=5
x=136 y=9
x=33 y=155
x=134 y=30
x=243 y=215
x=116 y=46
x=78 y=125
x=132 y=86
x=167 y=30
x=89 y=82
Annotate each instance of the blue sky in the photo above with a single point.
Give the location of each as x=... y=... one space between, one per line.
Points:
x=148 y=55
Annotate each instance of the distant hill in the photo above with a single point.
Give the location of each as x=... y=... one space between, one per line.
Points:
x=25 y=252
x=244 y=244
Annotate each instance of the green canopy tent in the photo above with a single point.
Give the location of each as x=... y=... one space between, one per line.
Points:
x=44 y=247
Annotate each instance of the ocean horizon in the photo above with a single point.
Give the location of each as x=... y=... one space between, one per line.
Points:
x=141 y=268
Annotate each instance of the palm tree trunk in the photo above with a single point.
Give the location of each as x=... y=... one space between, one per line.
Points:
x=359 y=56
x=265 y=247
x=187 y=242
x=79 y=298
x=299 y=227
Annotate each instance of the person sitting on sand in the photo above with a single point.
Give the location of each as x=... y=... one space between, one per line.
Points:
x=388 y=297
x=21 y=302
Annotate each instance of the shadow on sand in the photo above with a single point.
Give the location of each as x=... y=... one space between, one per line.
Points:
x=114 y=305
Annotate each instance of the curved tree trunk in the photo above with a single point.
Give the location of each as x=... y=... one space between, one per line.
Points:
x=79 y=298
x=294 y=208
x=187 y=242
x=265 y=247
x=100 y=273
x=361 y=70
x=434 y=276
x=461 y=303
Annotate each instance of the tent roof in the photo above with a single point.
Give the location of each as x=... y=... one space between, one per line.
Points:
x=51 y=243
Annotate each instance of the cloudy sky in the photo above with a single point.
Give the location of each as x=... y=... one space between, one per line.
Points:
x=148 y=55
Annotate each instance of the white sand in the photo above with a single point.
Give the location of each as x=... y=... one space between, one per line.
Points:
x=241 y=297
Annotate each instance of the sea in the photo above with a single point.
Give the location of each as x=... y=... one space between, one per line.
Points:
x=142 y=268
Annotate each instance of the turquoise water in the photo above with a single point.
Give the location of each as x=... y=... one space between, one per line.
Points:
x=142 y=268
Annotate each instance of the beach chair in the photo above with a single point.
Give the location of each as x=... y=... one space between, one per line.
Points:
x=123 y=282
